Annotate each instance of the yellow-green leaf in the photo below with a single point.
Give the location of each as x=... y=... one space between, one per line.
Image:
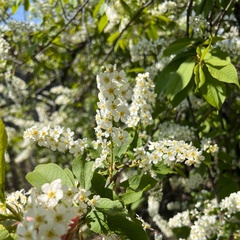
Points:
x=102 y=23
x=3 y=146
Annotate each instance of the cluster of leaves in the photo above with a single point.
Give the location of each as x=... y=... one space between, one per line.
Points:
x=66 y=45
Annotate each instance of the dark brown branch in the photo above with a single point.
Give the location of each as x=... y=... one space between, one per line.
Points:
x=189 y=10
x=220 y=16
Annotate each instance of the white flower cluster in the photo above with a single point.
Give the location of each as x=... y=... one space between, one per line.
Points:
x=64 y=94
x=193 y=182
x=53 y=210
x=170 y=152
x=114 y=94
x=196 y=103
x=199 y=25
x=4 y=48
x=231 y=46
x=180 y=220
x=112 y=15
x=203 y=228
x=56 y=138
x=206 y=145
x=16 y=200
x=144 y=47
x=175 y=131
x=143 y=101
x=231 y=204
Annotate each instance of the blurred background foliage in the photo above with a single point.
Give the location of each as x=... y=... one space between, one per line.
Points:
x=49 y=63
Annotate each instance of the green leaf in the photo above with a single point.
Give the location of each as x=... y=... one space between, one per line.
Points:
x=180 y=79
x=199 y=75
x=162 y=169
x=152 y=32
x=118 y=224
x=98 y=186
x=97 y=8
x=213 y=91
x=102 y=23
x=119 y=151
x=46 y=173
x=139 y=182
x=3 y=147
x=4 y=233
x=107 y=206
x=178 y=46
x=226 y=73
x=26 y=5
x=83 y=171
x=137 y=70
x=215 y=61
x=131 y=197
x=164 y=77
x=127 y=9
x=113 y=37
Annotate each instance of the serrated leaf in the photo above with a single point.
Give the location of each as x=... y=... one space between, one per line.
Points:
x=102 y=23
x=46 y=173
x=3 y=146
x=227 y=74
x=83 y=171
x=215 y=61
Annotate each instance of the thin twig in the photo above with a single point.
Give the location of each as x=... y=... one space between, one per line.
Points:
x=220 y=16
x=60 y=31
x=189 y=10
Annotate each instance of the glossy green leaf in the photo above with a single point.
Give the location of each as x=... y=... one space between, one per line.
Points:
x=178 y=46
x=139 y=182
x=120 y=225
x=83 y=171
x=46 y=173
x=110 y=207
x=131 y=197
x=227 y=73
x=213 y=91
x=180 y=79
x=165 y=76
x=3 y=146
x=102 y=23
x=217 y=62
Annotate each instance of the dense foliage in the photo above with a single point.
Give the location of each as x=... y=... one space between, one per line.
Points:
x=120 y=119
